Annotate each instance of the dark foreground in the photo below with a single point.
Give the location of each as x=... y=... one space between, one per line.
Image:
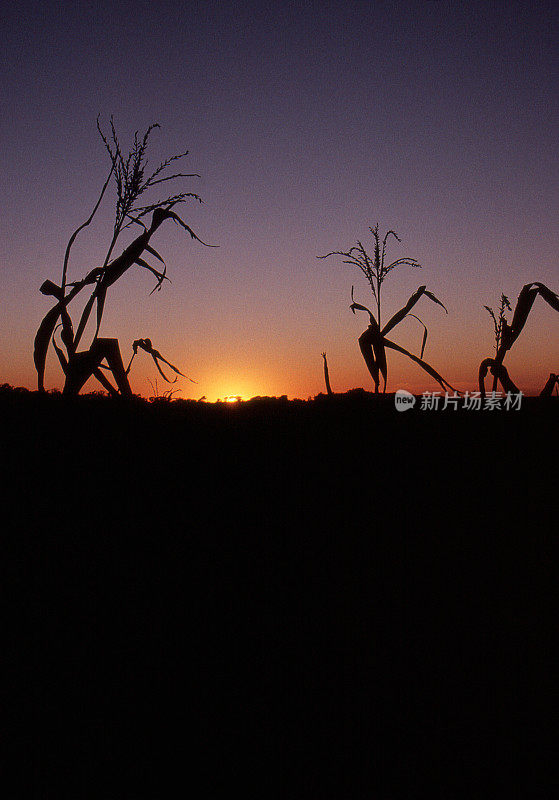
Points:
x=286 y=599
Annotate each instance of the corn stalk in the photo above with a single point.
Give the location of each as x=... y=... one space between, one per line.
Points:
x=506 y=335
x=131 y=183
x=373 y=341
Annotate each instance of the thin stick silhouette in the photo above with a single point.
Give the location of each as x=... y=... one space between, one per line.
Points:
x=506 y=335
x=327 y=375
x=104 y=353
x=373 y=341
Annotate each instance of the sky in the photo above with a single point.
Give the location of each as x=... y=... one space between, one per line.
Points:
x=308 y=123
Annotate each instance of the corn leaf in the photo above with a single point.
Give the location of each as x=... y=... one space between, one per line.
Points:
x=371 y=343
x=500 y=372
x=154 y=253
x=159 y=275
x=403 y=312
x=432 y=297
x=358 y=307
x=42 y=341
x=370 y=361
x=61 y=357
x=424 y=334
x=380 y=355
x=523 y=307
x=549 y=296
x=145 y=344
x=423 y=364
x=178 y=220
x=84 y=318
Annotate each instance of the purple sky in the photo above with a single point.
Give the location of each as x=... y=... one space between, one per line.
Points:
x=308 y=122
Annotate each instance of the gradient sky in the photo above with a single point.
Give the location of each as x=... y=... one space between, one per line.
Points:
x=307 y=122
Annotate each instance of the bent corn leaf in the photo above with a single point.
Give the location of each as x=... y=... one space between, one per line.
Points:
x=423 y=364
x=399 y=315
x=432 y=297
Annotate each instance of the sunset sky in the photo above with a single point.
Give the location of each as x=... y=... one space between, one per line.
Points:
x=308 y=122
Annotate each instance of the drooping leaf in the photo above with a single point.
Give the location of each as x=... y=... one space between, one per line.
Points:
x=550 y=297
x=153 y=252
x=159 y=275
x=524 y=305
x=368 y=357
x=358 y=307
x=371 y=343
x=178 y=220
x=399 y=315
x=432 y=297
x=424 y=342
x=380 y=355
x=61 y=357
x=46 y=330
x=145 y=344
x=499 y=371
x=165 y=378
x=84 y=318
x=42 y=341
x=423 y=364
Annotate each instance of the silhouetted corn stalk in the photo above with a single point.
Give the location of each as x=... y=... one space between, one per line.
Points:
x=499 y=324
x=373 y=341
x=131 y=183
x=327 y=376
x=506 y=335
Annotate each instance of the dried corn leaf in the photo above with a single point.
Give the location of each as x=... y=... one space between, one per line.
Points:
x=549 y=296
x=154 y=253
x=423 y=364
x=424 y=342
x=432 y=297
x=403 y=312
x=145 y=344
x=159 y=275
x=523 y=307
x=171 y=215
x=84 y=318
x=499 y=371
x=370 y=361
x=42 y=341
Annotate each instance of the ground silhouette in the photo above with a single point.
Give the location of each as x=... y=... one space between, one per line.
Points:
x=288 y=598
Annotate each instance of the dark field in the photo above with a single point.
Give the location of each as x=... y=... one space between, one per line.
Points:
x=278 y=598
